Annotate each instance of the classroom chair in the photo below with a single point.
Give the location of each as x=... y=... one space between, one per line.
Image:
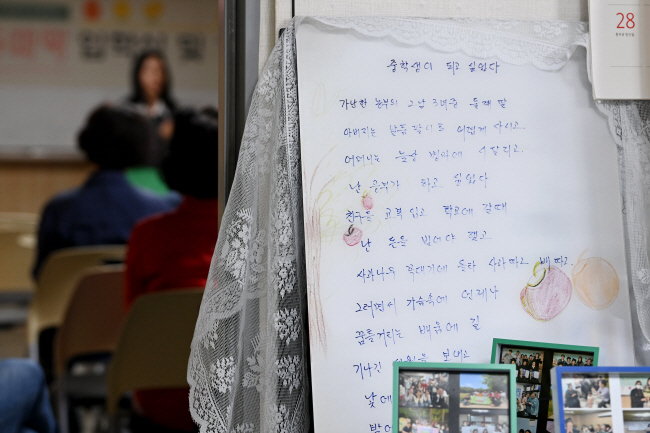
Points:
x=88 y=333
x=16 y=287
x=154 y=345
x=56 y=283
x=17 y=242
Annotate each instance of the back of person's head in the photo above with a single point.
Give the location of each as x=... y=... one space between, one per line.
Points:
x=191 y=165
x=115 y=137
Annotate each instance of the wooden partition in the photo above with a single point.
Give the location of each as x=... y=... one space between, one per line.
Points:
x=27 y=184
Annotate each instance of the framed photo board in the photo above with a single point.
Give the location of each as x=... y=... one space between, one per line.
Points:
x=533 y=362
x=605 y=399
x=442 y=398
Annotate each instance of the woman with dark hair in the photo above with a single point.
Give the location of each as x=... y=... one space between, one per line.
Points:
x=174 y=250
x=526 y=369
x=105 y=209
x=151 y=97
x=151 y=82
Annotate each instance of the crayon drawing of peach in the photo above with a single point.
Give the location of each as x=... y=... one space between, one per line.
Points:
x=547 y=293
x=595 y=281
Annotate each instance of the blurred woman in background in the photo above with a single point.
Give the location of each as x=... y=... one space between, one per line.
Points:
x=151 y=97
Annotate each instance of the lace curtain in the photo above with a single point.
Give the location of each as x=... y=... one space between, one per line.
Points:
x=249 y=367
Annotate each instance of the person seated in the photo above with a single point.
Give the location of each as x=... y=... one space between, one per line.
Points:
x=24 y=400
x=106 y=207
x=174 y=250
x=571 y=397
x=603 y=390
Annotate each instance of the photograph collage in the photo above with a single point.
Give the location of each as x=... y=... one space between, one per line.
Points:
x=435 y=401
x=533 y=363
x=596 y=403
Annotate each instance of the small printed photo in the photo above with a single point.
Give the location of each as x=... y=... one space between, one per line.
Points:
x=528 y=400
x=529 y=363
x=526 y=425
x=587 y=391
x=635 y=421
x=424 y=389
x=572 y=359
x=483 y=391
x=423 y=420
x=635 y=391
x=480 y=421
x=584 y=421
x=527 y=387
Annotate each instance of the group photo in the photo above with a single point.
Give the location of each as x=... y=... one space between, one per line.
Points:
x=483 y=391
x=529 y=363
x=587 y=391
x=564 y=359
x=423 y=389
x=420 y=420
x=528 y=400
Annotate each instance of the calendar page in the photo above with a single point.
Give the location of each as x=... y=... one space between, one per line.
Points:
x=620 y=58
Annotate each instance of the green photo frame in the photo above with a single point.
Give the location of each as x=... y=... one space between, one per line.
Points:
x=533 y=363
x=498 y=343
x=460 y=393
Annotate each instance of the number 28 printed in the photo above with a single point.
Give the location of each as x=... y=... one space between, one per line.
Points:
x=627 y=19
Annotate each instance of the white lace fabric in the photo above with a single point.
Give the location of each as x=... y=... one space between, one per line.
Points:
x=249 y=366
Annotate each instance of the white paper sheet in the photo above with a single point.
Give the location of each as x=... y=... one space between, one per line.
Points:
x=424 y=219
x=620 y=54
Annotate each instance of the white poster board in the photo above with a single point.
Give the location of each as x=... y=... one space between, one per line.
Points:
x=433 y=183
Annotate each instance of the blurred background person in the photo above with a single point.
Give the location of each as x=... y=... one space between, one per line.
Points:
x=151 y=97
x=174 y=250
x=151 y=94
x=24 y=399
x=105 y=208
